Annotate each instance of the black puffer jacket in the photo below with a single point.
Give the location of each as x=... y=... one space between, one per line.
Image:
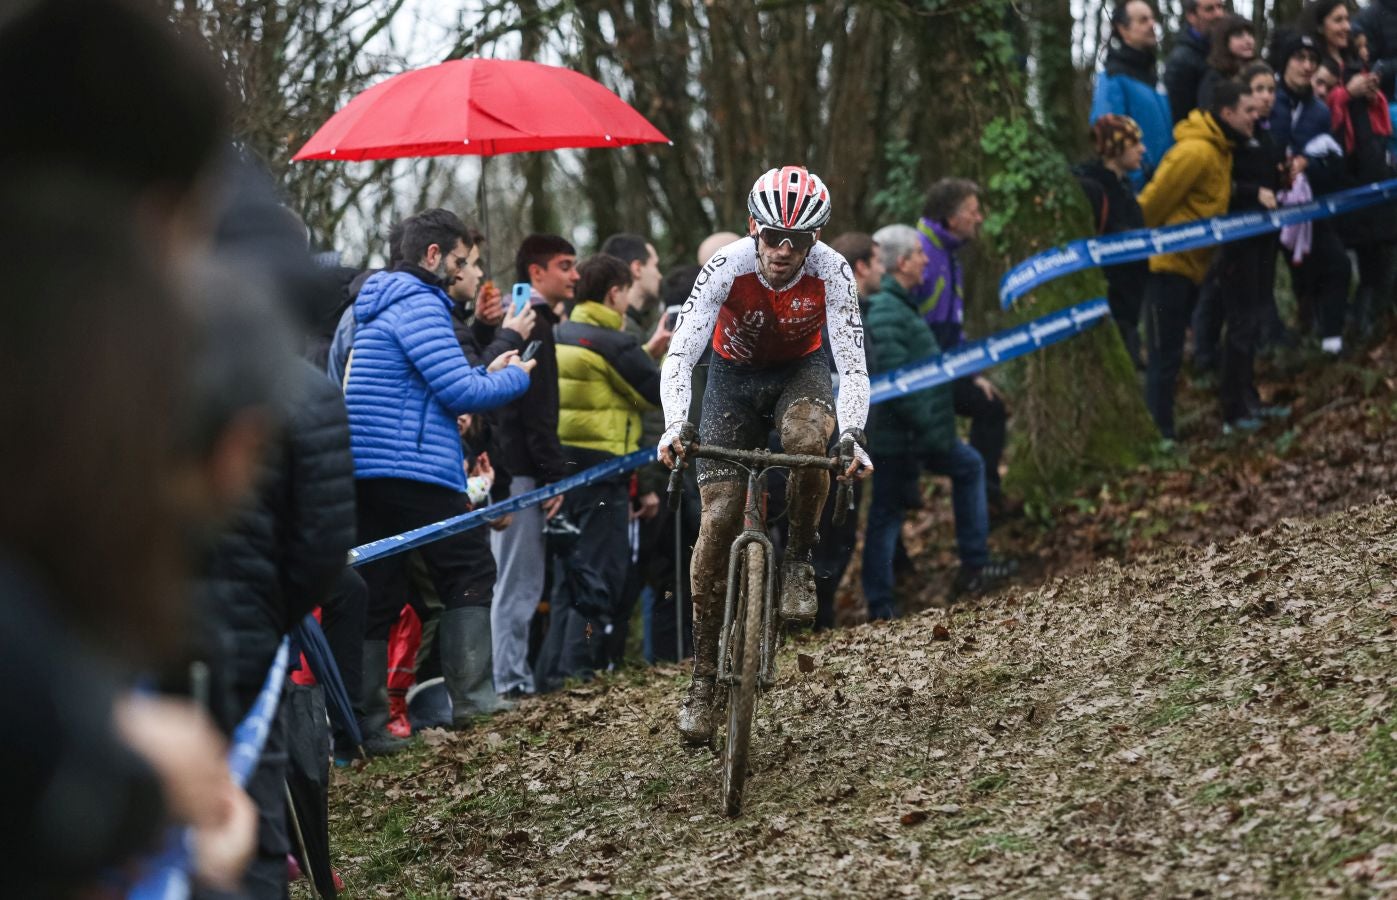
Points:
x=280 y=556
x=1184 y=71
x=527 y=429
x=482 y=343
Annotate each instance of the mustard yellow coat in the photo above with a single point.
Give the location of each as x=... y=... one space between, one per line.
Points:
x=1193 y=181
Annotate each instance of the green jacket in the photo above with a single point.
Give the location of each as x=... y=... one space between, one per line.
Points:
x=605 y=380
x=917 y=424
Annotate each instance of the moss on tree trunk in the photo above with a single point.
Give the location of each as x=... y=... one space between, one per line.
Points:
x=1076 y=408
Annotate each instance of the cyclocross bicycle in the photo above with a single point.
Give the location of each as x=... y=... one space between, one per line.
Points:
x=747 y=643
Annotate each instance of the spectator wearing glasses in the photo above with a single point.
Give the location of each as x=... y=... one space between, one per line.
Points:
x=406 y=383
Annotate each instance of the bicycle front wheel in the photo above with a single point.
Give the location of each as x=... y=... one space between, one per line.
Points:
x=745 y=646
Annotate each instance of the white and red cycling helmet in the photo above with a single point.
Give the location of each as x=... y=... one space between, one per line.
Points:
x=790 y=198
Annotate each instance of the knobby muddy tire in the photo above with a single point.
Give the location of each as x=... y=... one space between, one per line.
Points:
x=742 y=695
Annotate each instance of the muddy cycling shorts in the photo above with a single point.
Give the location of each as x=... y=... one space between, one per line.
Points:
x=743 y=404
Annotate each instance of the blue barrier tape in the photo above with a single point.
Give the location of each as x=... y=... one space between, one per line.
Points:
x=977 y=356
x=169 y=879
x=1133 y=246
x=972 y=357
x=409 y=540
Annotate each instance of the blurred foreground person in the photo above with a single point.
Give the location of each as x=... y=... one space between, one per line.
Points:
x=91 y=545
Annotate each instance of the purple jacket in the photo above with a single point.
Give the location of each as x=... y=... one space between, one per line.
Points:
x=939 y=297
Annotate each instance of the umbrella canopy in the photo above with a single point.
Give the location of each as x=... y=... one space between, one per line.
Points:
x=479 y=107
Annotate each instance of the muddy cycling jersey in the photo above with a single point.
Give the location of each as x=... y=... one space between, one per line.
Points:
x=753 y=324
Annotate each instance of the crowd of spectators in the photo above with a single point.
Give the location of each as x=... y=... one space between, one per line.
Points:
x=290 y=409
x=1312 y=118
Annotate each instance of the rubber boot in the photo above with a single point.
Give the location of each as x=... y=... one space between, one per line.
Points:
x=374 y=725
x=467 y=664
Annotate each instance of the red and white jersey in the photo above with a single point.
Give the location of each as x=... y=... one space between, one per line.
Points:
x=752 y=323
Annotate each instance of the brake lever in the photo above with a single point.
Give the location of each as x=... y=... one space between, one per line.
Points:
x=844 y=494
x=676 y=481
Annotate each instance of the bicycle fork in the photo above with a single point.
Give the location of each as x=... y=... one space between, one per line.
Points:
x=753 y=532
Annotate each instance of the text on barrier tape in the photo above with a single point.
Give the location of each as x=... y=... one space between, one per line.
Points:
x=1133 y=246
x=967 y=359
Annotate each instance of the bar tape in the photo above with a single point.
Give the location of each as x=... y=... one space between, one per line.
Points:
x=169 y=879
x=940 y=369
x=1133 y=246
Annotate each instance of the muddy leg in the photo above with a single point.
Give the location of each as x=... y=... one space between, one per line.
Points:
x=722 y=520
x=805 y=428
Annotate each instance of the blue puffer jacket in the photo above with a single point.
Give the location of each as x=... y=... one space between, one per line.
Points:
x=409 y=380
x=1127 y=87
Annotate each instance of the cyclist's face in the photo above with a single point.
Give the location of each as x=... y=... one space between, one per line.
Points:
x=778 y=264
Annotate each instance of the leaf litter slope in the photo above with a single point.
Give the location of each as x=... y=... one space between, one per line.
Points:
x=1211 y=722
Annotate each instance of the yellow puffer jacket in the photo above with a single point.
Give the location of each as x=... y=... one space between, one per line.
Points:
x=605 y=380
x=1193 y=181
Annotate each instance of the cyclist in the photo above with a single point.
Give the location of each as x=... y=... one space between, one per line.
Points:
x=762 y=302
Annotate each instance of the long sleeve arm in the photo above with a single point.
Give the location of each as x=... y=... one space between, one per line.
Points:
x=845 y=336
x=692 y=332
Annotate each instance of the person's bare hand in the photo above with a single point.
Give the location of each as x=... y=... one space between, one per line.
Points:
x=1362 y=84
x=551 y=506
x=1266 y=197
x=658 y=345
x=528 y=367
x=502 y=522
x=986 y=387
x=502 y=360
x=187 y=752
x=223 y=850
x=522 y=324
x=489 y=305
x=484 y=467
x=649 y=506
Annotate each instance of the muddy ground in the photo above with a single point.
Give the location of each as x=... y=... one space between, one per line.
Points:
x=1188 y=693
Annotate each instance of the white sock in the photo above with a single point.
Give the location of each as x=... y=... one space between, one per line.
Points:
x=1333 y=345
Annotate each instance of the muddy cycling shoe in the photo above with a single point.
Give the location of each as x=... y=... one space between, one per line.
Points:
x=979 y=580
x=798 y=600
x=697 y=715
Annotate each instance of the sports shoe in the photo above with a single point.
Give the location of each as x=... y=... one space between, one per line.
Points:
x=1244 y=425
x=697 y=714
x=798 y=600
x=973 y=582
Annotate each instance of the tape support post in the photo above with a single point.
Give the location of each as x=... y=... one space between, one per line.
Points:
x=968 y=359
x=1133 y=246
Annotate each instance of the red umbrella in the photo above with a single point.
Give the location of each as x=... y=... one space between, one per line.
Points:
x=479 y=107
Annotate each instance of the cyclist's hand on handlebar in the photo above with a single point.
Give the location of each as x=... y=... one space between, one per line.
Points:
x=675 y=443
x=860 y=466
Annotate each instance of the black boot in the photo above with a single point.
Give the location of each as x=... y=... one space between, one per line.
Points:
x=374 y=725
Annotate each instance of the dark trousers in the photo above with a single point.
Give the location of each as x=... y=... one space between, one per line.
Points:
x=988 y=428
x=1209 y=314
x=1169 y=305
x=589 y=578
x=1374 y=299
x=342 y=618
x=265 y=878
x=1321 y=281
x=1247 y=275
x=1125 y=312
x=667 y=615
x=832 y=554
x=460 y=568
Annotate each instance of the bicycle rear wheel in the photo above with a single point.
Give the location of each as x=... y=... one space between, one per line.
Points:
x=745 y=643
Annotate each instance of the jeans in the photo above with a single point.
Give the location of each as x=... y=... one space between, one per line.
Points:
x=1170 y=305
x=519 y=553
x=988 y=427
x=891 y=477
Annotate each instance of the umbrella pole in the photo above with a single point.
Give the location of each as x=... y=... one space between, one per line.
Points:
x=485 y=221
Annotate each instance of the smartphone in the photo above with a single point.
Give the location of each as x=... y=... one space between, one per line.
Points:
x=530 y=351
x=522 y=293
x=672 y=316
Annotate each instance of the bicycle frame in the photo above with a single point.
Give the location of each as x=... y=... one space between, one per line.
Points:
x=753 y=532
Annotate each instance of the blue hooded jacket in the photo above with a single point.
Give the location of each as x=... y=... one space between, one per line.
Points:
x=409 y=380
x=1128 y=87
